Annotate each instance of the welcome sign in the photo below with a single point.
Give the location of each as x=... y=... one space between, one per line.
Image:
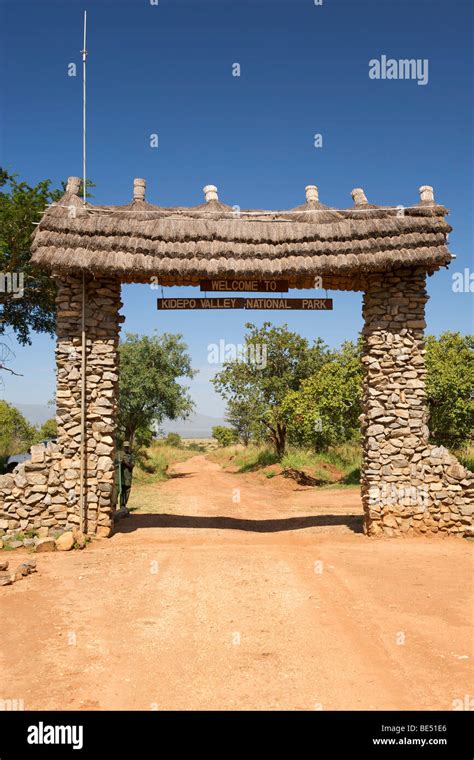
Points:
x=272 y=304
x=244 y=286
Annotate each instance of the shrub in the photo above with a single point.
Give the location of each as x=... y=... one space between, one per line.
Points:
x=173 y=439
x=197 y=447
x=224 y=436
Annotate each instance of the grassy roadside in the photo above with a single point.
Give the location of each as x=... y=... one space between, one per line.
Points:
x=152 y=467
x=153 y=463
x=466 y=456
x=339 y=466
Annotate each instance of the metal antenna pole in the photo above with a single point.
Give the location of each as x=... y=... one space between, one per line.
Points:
x=84 y=57
x=82 y=484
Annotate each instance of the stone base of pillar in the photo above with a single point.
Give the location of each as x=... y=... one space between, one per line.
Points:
x=43 y=493
x=434 y=494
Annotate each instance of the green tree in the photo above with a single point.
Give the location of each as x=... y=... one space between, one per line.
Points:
x=224 y=436
x=240 y=414
x=21 y=206
x=450 y=388
x=149 y=391
x=16 y=433
x=275 y=361
x=48 y=429
x=326 y=408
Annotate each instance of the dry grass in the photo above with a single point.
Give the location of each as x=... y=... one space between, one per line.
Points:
x=340 y=464
x=152 y=468
x=206 y=444
x=153 y=463
x=149 y=498
x=466 y=456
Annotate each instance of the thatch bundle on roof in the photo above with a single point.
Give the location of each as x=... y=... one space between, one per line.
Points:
x=180 y=245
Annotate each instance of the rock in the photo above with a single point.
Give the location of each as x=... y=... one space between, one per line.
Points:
x=45 y=545
x=5 y=579
x=456 y=471
x=105 y=463
x=375 y=430
x=35 y=498
x=103 y=531
x=29 y=542
x=79 y=538
x=43 y=532
x=4 y=565
x=395 y=443
x=437 y=452
x=103 y=449
x=33 y=467
x=21 y=571
x=15 y=544
x=65 y=541
x=37 y=453
x=37 y=479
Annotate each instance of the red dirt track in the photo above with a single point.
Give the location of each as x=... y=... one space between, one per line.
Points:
x=273 y=602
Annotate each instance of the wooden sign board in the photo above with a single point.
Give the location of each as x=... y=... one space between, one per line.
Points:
x=263 y=303
x=244 y=286
x=284 y=304
x=199 y=303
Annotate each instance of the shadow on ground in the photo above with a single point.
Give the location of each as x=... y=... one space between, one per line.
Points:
x=137 y=521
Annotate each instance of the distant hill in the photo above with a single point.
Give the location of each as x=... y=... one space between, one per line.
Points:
x=197 y=426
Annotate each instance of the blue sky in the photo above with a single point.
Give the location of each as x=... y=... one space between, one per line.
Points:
x=167 y=70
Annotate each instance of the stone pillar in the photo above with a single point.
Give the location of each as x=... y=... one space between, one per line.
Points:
x=408 y=486
x=102 y=335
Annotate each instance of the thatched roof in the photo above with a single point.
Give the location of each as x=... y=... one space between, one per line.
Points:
x=181 y=245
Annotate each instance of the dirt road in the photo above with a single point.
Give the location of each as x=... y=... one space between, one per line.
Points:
x=264 y=597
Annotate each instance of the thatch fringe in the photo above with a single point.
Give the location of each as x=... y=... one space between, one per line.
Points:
x=123 y=261
x=238 y=230
x=138 y=240
x=203 y=248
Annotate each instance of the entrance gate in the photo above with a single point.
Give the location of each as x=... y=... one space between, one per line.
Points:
x=408 y=485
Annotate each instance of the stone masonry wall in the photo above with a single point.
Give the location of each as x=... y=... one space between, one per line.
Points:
x=408 y=485
x=46 y=490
